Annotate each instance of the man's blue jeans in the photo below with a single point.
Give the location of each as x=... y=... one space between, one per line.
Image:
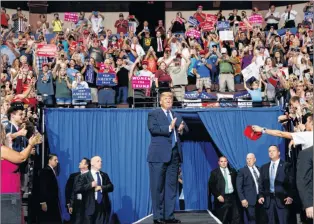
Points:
x=122 y=94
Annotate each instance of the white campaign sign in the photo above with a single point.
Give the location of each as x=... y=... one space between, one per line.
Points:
x=226 y=35
x=250 y=71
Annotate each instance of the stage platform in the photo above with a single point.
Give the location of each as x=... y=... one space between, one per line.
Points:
x=188 y=217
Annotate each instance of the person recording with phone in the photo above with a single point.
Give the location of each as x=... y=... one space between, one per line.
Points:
x=272 y=18
x=57 y=24
x=289 y=17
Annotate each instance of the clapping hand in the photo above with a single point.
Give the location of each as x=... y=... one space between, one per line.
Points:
x=181 y=127
x=173 y=123
x=97 y=188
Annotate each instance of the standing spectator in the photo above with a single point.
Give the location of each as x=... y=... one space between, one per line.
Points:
x=147 y=41
x=97 y=22
x=178 y=24
x=82 y=20
x=222 y=184
x=226 y=73
x=305 y=181
x=121 y=24
x=236 y=66
x=289 y=17
x=151 y=58
x=42 y=25
x=45 y=85
x=163 y=80
x=272 y=18
x=123 y=82
x=57 y=24
x=133 y=23
x=79 y=83
x=199 y=15
x=247 y=188
x=159 y=46
x=234 y=19
x=96 y=52
x=202 y=71
x=19 y=20
x=160 y=28
x=213 y=56
x=90 y=74
x=276 y=187
x=63 y=86
x=164 y=156
x=220 y=17
x=94 y=186
x=4 y=18
x=49 y=192
x=256 y=92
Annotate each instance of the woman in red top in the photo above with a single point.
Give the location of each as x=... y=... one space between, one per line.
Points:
x=4 y=18
x=10 y=179
x=163 y=80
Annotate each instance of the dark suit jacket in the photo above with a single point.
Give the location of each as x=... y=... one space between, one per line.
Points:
x=84 y=186
x=284 y=184
x=155 y=44
x=160 y=149
x=305 y=177
x=49 y=193
x=69 y=187
x=217 y=182
x=246 y=187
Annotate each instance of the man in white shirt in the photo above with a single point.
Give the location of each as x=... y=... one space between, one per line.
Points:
x=289 y=16
x=247 y=188
x=97 y=21
x=276 y=187
x=272 y=18
x=222 y=183
x=305 y=138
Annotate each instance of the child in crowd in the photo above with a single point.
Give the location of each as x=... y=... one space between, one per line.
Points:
x=256 y=91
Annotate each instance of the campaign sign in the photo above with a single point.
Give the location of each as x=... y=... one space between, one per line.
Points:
x=140 y=82
x=105 y=79
x=208 y=25
x=71 y=17
x=81 y=94
x=223 y=25
x=46 y=50
x=308 y=16
x=210 y=17
x=193 y=21
x=256 y=19
x=242 y=26
x=193 y=33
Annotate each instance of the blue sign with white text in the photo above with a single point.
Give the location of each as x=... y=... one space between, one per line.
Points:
x=105 y=79
x=81 y=94
x=223 y=25
x=193 y=21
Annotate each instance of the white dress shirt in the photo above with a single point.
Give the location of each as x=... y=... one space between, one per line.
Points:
x=165 y=111
x=276 y=167
x=305 y=139
x=230 y=186
x=255 y=181
x=271 y=20
x=95 y=179
x=54 y=172
x=293 y=15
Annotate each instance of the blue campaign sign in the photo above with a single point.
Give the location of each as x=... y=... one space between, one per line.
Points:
x=308 y=15
x=193 y=21
x=105 y=79
x=223 y=25
x=81 y=94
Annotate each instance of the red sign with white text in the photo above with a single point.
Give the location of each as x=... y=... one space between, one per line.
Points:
x=140 y=82
x=46 y=50
x=71 y=17
x=208 y=25
x=210 y=17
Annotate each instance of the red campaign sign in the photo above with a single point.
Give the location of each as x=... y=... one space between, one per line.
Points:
x=242 y=26
x=256 y=19
x=46 y=50
x=210 y=17
x=71 y=17
x=140 y=82
x=193 y=33
x=208 y=25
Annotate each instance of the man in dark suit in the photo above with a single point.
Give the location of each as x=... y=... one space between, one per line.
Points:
x=158 y=45
x=305 y=181
x=247 y=188
x=94 y=187
x=74 y=201
x=49 y=193
x=276 y=187
x=164 y=156
x=222 y=184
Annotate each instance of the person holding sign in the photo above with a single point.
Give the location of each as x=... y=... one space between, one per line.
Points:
x=201 y=17
x=79 y=83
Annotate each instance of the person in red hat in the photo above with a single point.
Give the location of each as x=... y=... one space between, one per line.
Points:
x=199 y=15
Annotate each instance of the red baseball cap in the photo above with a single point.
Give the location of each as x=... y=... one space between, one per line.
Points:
x=86 y=32
x=44 y=64
x=202 y=52
x=200 y=7
x=249 y=132
x=144 y=62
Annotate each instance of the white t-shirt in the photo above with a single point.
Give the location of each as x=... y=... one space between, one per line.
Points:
x=97 y=23
x=303 y=138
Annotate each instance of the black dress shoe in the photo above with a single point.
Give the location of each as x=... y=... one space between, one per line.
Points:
x=173 y=221
x=159 y=221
